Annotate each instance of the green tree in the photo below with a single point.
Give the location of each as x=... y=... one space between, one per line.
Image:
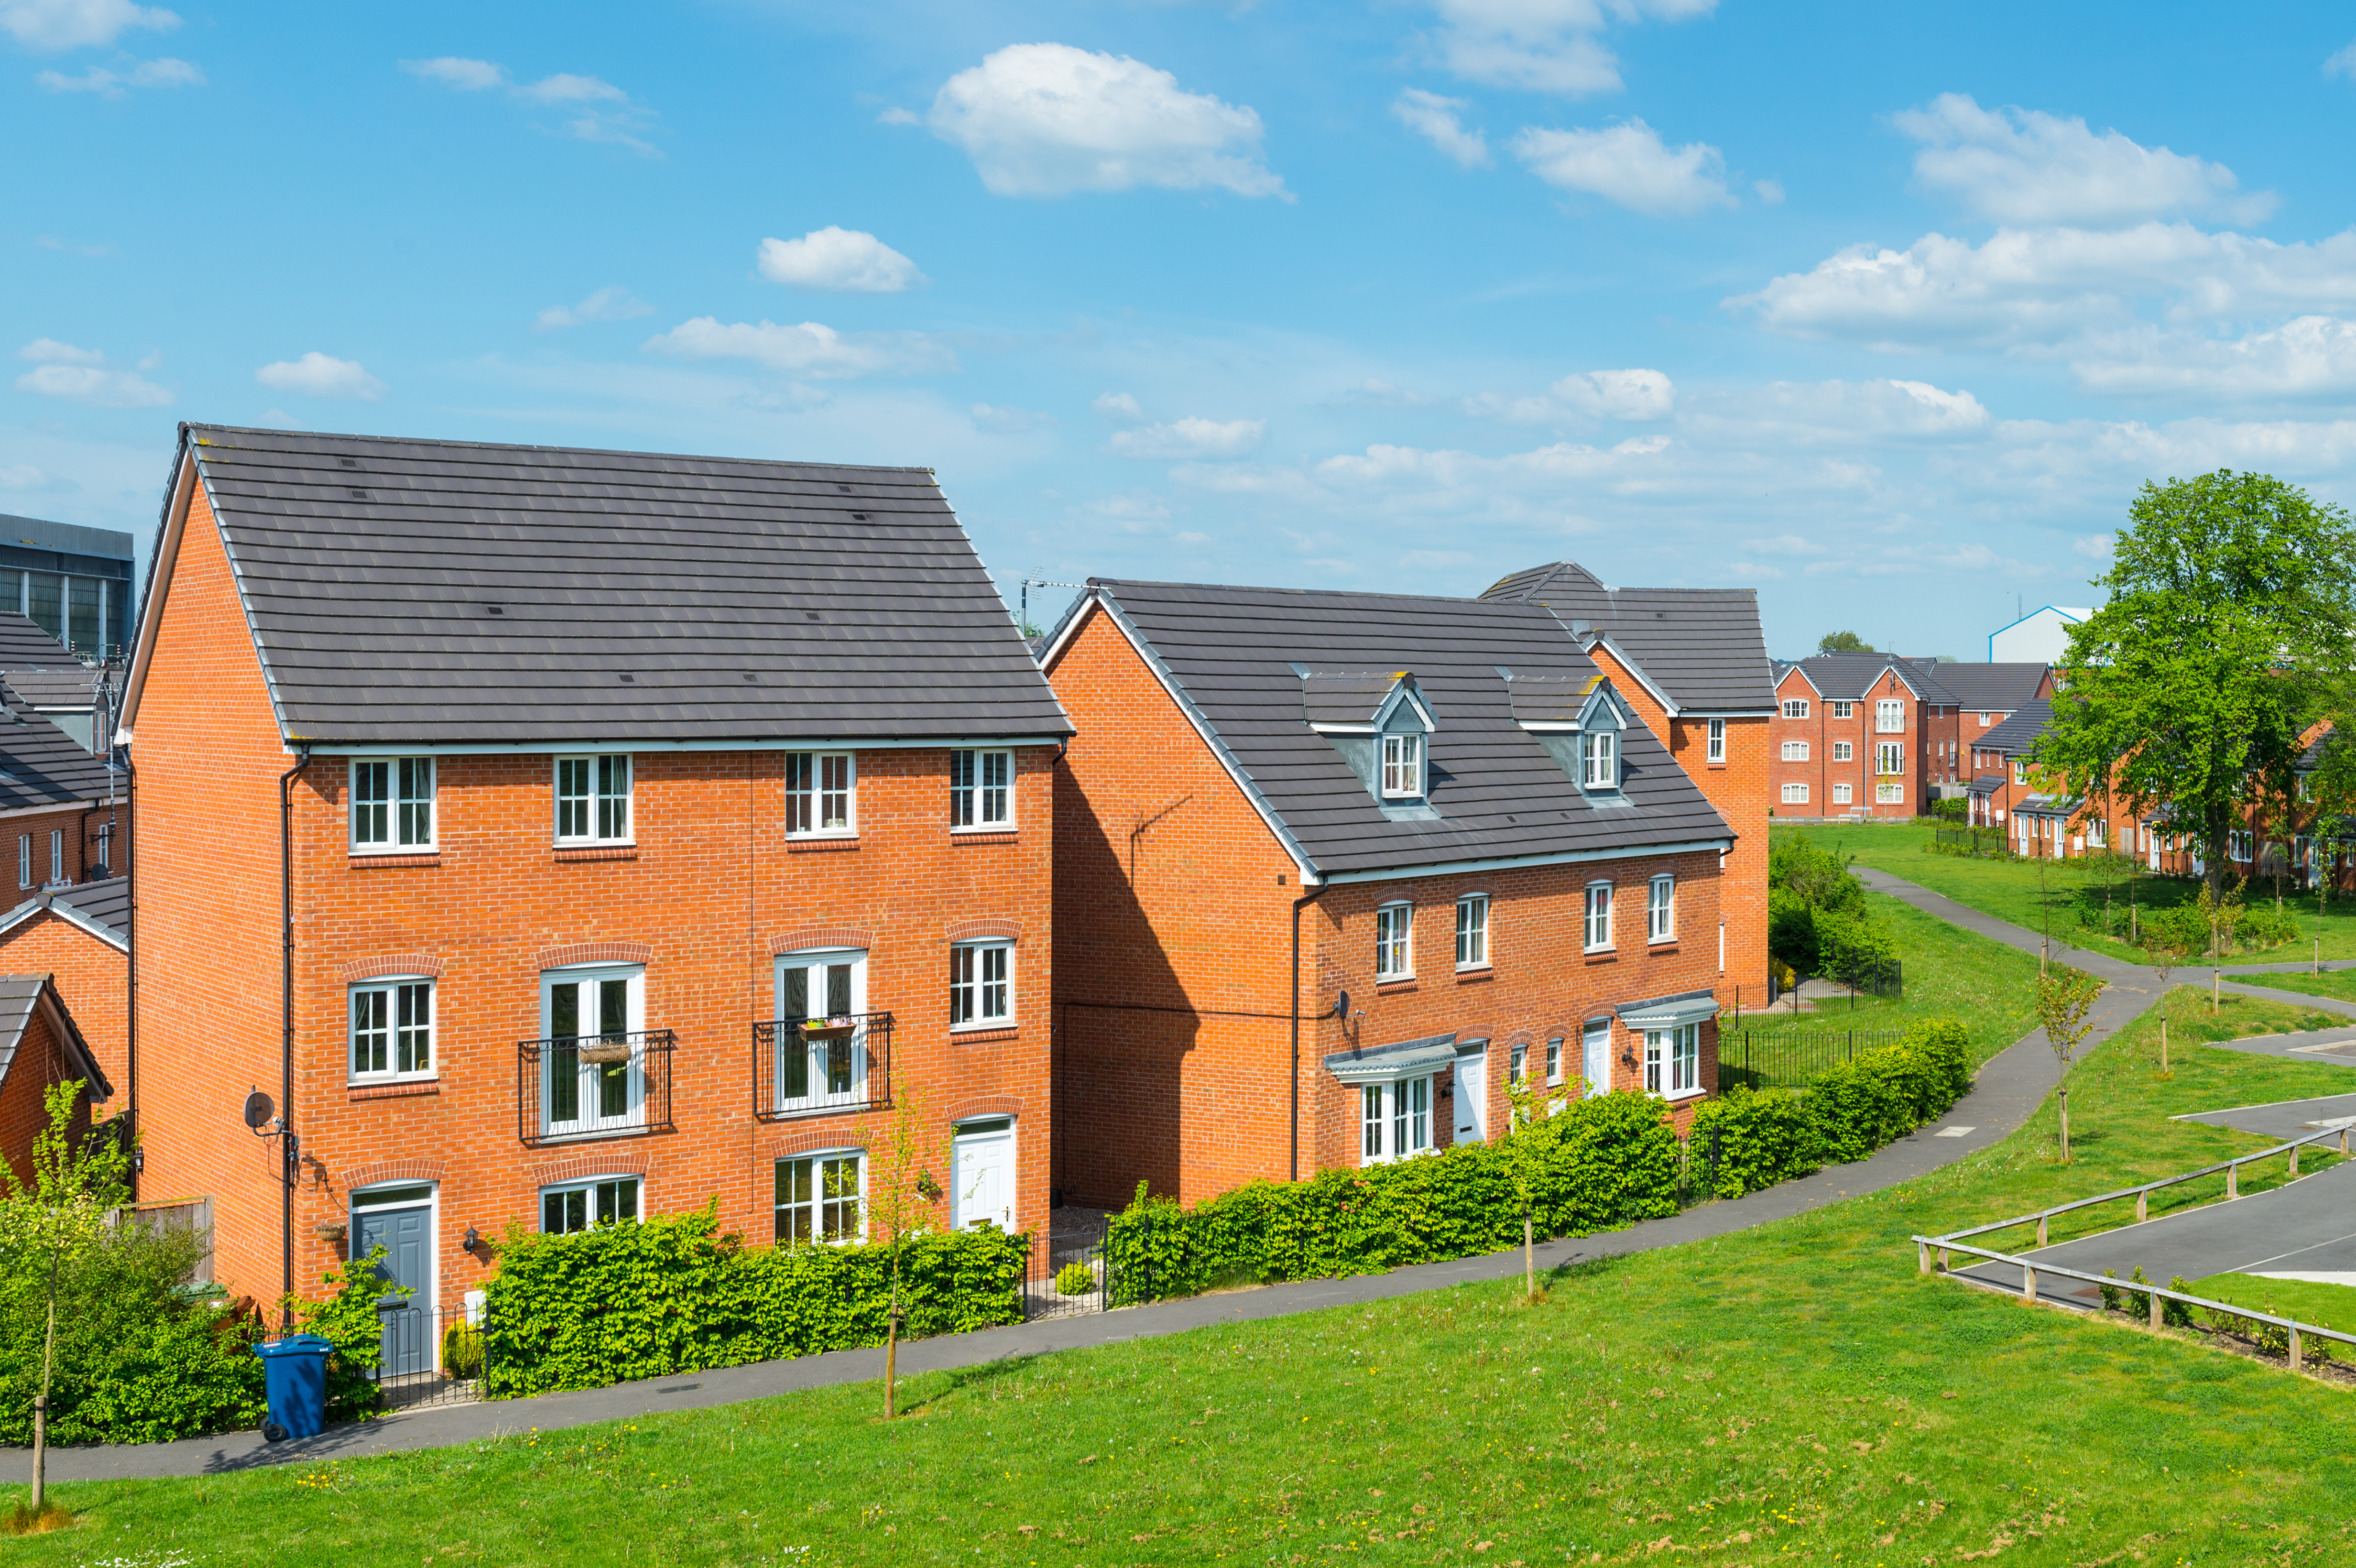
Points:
x=2063 y=999
x=900 y=1208
x=2230 y=609
x=1843 y=642
x=1530 y=1154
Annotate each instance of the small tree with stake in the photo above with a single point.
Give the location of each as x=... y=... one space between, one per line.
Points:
x=902 y=1209
x=2064 y=998
x=1526 y=1149
x=2166 y=954
x=46 y=1226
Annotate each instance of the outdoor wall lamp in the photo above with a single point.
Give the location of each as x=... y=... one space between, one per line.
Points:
x=473 y=1238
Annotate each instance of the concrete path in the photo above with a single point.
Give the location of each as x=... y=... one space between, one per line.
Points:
x=2010 y=1088
x=2283 y=1120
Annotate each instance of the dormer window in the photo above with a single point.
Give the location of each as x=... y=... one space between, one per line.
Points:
x=1599 y=756
x=1402 y=767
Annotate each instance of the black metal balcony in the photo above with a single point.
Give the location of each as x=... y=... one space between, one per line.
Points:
x=608 y=1085
x=819 y=1067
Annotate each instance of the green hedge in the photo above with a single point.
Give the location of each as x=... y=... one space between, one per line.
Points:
x=1846 y=1112
x=1608 y=1162
x=1762 y=1137
x=676 y=1295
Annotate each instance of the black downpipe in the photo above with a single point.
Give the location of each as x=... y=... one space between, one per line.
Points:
x=1298 y=905
x=287 y=1147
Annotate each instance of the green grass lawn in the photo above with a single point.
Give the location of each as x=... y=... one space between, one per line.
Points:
x=2338 y=984
x=2310 y=1301
x=2010 y=890
x=1792 y=1393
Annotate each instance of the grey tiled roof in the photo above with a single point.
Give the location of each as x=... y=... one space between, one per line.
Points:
x=2017 y=734
x=19 y=995
x=1702 y=646
x=1850 y=677
x=1496 y=790
x=40 y=764
x=451 y=593
x=1990 y=688
x=58 y=688
x=108 y=902
x=1986 y=784
x=24 y=645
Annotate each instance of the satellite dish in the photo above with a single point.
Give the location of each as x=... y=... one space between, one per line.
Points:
x=259 y=1110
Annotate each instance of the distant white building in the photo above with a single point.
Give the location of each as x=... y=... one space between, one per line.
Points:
x=2042 y=636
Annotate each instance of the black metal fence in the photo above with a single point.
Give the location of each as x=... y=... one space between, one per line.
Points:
x=1076 y=1247
x=429 y=1356
x=1955 y=839
x=614 y=1085
x=1788 y=1058
x=814 y=1067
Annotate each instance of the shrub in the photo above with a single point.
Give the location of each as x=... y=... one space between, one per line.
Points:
x=676 y=1295
x=1607 y=1161
x=1860 y=1104
x=1074 y=1279
x=347 y=1319
x=1762 y=1136
x=462 y=1350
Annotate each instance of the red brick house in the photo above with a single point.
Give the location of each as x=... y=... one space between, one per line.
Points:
x=40 y=1046
x=1872 y=735
x=1331 y=868
x=654 y=827
x=1693 y=663
x=80 y=938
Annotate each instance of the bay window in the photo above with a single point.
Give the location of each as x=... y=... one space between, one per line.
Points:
x=1673 y=1062
x=1394 y=1120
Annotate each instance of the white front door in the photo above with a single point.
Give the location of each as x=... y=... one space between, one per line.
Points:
x=1471 y=1097
x=1595 y=1058
x=982 y=1175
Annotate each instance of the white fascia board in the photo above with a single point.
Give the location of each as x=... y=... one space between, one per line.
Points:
x=1076 y=616
x=159 y=588
x=1668 y=704
x=1806 y=679
x=1511 y=862
x=567 y=748
x=1401 y=692
x=1727 y=713
x=35 y=906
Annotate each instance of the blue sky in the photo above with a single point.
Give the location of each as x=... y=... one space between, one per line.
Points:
x=1881 y=316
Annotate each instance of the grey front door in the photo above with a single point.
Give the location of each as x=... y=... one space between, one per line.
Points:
x=405 y=1234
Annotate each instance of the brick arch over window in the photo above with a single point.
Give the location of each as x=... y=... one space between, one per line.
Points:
x=386 y=1170
x=987 y=1105
x=584 y=1164
x=423 y=964
x=818 y=1142
x=822 y=936
x=1520 y=1037
x=595 y=953
x=979 y=930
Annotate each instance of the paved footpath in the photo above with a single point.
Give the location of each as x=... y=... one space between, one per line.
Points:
x=2010 y=1086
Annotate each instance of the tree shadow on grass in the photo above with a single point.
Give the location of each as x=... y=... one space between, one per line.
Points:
x=941 y=1385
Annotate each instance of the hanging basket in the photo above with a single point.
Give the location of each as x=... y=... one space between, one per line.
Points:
x=606 y=1052
x=814 y=1029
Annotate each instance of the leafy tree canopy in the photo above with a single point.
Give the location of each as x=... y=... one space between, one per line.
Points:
x=2231 y=607
x=1843 y=642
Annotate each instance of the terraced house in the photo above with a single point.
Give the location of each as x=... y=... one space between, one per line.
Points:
x=1873 y=735
x=1334 y=869
x=643 y=832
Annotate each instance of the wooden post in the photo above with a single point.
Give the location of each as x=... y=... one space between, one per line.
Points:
x=1945 y=1265
x=2234 y=1179
x=2214 y=984
x=2343 y=1140
x=2028 y=1282
x=2157 y=1319
x=2163 y=1041
x=2295 y=1347
x=2318 y=956
x=2040 y=1230
x=2293 y=1162
x=2143 y=1206
x=1922 y=1257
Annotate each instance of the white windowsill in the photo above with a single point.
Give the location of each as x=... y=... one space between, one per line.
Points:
x=1473 y=968
x=1394 y=979
x=986 y=1025
x=360 y=849
x=1591 y=951
x=594 y=843
x=386 y=1079
x=972 y=827
x=1683 y=1094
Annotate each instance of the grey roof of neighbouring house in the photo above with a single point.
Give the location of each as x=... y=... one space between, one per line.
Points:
x=1990 y=688
x=19 y=995
x=2017 y=734
x=438 y=593
x=24 y=645
x=1231 y=652
x=1702 y=646
x=101 y=908
x=1850 y=677
x=1986 y=784
x=65 y=690
x=40 y=764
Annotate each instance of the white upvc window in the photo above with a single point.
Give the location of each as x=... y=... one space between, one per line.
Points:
x=1661 y=909
x=392 y=805
x=820 y=1198
x=2238 y=846
x=23 y=859
x=1472 y=932
x=821 y=795
x=1796 y=794
x=1599 y=916
x=1394 y=1120
x=593 y=799
x=2020 y=772
x=1983 y=720
x=1554 y=1059
x=1890 y=757
x=1402 y=766
x=981 y=985
x=821 y=1029
x=1844 y=709
x=1673 y=1062
x=1841 y=795
x=392 y=1028
x=1717 y=753
x=1843 y=752
x=1796 y=707
x=1517 y=1064
x=56 y=856
x=981 y=789
x=1796 y=751
x=585 y=1205
x=1599 y=756
x=1394 y=942
x=2097 y=832
x=592 y=1076
x=1889 y=716
x=1890 y=793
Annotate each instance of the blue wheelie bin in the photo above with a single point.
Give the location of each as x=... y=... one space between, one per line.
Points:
x=295 y=1375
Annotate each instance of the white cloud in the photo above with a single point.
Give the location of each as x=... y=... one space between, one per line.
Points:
x=565 y=89
x=76 y=375
x=1001 y=420
x=2044 y=285
x=166 y=72
x=1584 y=398
x=49 y=351
x=2309 y=356
x=616 y=126
x=1771 y=192
x=1434 y=119
x=811 y=348
x=1189 y=437
x=2342 y=63
x=1117 y=406
x=466 y=75
x=74 y=24
x=1544 y=45
x=2095 y=546
x=318 y=375
x=2025 y=166
x=1628 y=165
x=1850 y=414
x=897 y=116
x=1373 y=393
x=1049 y=119
x=610 y=304
x=846 y=260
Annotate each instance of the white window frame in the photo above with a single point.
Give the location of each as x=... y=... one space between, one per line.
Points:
x=392 y=1027
x=1661 y=908
x=1395 y=1119
x=402 y=818
x=2098 y=832
x=1554 y=1059
x=1472 y=932
x=1889 y=759
x=2020 y=772
x=1844 y=709
x=981 y=791
x=981 y=985
x=591 y=1078
x=820 y=1060
x=1673 y=1062
x=1890 y=795
x=57 y=878
x=821 y=795
x=23 y=859
x=1796 y=794
x=1518 y=1064
x=1596 y=922
x=1796 y=751
x=594 y=1192
x=814 y=1204
x=1402 y=765
x=1841 y=795
x=1717 y=742
x=1843 y=752
x=1889 y=716
x=1598 y=759
x=1394 y=943
x=2239 y=844
x=595 y=807
x=1796 y=707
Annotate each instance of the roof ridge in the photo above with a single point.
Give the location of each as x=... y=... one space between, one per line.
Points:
x=192 y=426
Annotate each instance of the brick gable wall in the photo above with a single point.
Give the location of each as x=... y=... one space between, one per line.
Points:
x=40 y=1061
x=94 y=979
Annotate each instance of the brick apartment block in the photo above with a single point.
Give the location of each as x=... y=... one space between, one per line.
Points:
x=659 y=828
x=1492 y=860
x=1865 y=735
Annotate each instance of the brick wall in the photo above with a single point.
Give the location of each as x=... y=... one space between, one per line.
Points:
x=40 y=1061
x=91 y=976
x=76 y=832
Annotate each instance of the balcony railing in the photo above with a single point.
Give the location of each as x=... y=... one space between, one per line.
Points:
x=610 y=1085
x=816 y=1067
